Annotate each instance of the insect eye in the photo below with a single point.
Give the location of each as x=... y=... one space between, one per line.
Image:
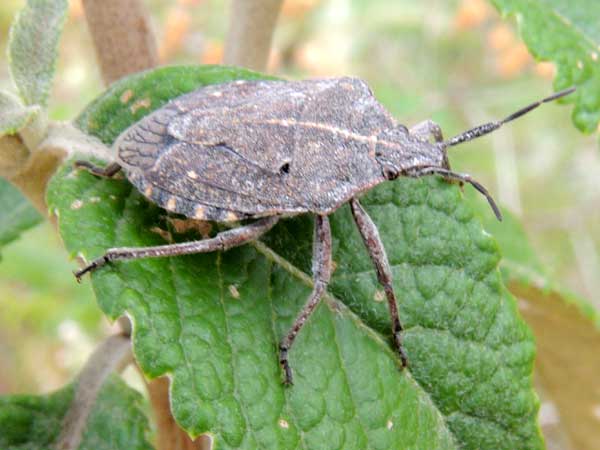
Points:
x=285 y=168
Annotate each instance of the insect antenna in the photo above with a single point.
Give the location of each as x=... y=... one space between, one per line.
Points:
x=450 y=175
x=486 y=128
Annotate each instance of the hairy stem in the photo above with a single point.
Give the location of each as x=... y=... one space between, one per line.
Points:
x=37 y=165
x=114 y=354
x=122 y=37
x=13 y=155
x=251 y=28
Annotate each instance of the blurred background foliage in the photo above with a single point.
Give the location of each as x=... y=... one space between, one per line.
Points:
x=454 y=61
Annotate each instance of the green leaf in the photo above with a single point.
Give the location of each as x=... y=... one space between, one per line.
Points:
x=13 y=115
x=116 y=421
x=567 y=34
x=18 y=214
x=33 y=48
x=213 y=321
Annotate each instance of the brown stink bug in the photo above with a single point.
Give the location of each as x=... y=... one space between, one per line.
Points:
x=271 y=149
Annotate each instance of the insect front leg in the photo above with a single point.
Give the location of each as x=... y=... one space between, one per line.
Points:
x=426 y=129
x=106 y=172
x=222 y=241
x=321 y=275
x=372 y=241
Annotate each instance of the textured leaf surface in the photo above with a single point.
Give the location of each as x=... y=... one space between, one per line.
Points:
x=566 y=33
x=212 y=322
x=465 y=344
x=17 y=213
x=34 y=422
x=13 y=115
x=33 y=48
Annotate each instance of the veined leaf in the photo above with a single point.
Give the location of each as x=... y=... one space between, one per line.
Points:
x=29 y=422
x=33 y=48
x=212 y=322
x=567 y=34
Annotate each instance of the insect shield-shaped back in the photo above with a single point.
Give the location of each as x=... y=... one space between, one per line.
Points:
x=250 y=149
x=399 y=152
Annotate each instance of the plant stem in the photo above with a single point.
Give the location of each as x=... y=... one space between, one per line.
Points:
x=61 y=140
x=114 y=354
x=122 y=37
x=251 y=28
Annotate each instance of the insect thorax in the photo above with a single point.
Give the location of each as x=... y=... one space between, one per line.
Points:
x=398 y=152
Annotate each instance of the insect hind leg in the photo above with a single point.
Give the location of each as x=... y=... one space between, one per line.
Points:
x=221 y=242
x=105 y=172
x=321 y=276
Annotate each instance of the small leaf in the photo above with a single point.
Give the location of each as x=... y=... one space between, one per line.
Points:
x=17 y=213
x=213 y=321
x=33 y=48
x=13 y=115
x=116 y=421
x=565 y=33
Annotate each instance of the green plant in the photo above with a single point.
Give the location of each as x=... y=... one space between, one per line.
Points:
x=211 y=322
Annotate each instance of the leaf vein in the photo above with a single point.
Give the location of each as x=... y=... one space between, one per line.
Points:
x=234 y=372
x=346 y=379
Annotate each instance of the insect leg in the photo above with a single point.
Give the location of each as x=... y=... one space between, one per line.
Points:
x=321 y=275
x=426 y=129
x=372 y=241
x=106 y=172
x=222 y=241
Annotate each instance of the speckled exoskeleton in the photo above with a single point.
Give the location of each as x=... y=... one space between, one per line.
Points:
x=270 y=149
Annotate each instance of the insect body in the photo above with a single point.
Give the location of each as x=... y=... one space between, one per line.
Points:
x=269 y=149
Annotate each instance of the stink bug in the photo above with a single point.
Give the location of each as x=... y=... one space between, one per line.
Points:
x=270 y=149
